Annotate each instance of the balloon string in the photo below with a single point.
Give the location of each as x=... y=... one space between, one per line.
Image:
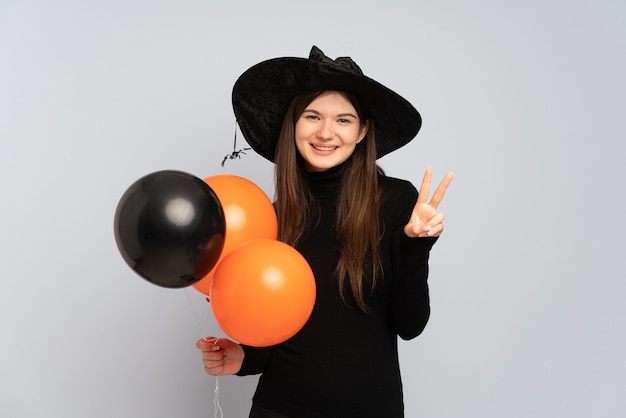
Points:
x=193 y=311
x=217 y=408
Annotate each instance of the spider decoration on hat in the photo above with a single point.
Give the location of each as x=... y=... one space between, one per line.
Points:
x=235 y=154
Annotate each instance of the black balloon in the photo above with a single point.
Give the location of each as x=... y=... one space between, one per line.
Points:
x=169 y=228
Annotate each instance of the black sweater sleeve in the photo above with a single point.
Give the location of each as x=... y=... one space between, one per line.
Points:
x=409 y=305
x=410 y=301
x=255 y=359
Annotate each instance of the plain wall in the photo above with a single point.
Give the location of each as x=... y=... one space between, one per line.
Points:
x=524 y=100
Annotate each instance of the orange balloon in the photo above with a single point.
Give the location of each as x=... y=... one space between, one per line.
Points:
x=248 y=212
x=263 y=293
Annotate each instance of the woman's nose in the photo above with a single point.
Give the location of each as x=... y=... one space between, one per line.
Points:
x=325 y=131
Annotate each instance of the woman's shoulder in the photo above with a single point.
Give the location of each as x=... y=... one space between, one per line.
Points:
x=396 y=186
x=397 y=199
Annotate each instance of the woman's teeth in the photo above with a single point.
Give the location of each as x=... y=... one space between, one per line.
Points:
x=317 y=147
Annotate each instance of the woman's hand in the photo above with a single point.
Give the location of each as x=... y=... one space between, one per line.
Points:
x=425 y=220
x=220 y=356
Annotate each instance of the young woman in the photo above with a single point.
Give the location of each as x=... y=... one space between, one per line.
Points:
x=366 y=236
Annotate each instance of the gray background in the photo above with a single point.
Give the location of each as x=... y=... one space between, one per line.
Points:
x=523 y=100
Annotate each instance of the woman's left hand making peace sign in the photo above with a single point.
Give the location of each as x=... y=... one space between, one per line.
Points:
x=425 y=220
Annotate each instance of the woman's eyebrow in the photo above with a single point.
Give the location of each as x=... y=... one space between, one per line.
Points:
x=340 y=115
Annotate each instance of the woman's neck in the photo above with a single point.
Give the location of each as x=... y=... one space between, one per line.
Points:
x=326 y=184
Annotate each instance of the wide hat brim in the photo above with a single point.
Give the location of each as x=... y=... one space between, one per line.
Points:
x=263 y=93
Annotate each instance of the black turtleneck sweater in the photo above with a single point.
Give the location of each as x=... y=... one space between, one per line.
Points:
x=344 y=362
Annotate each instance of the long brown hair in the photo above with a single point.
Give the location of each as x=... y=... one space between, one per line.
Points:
x=357 y=219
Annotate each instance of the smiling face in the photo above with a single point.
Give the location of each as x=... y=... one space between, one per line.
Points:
x=328 y=131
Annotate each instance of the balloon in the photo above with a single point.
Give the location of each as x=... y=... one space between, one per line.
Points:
x=169 y=228
x=263 y=293
x=249 y=216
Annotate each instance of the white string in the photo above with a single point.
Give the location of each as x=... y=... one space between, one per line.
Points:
x=217 y=408
x=193 y=311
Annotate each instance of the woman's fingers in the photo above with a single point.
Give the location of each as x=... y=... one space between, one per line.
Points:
x=220 y=356
x=212 y=355
x=213 y=362
x=432 y=228
x=441 y=190
x=425 y=187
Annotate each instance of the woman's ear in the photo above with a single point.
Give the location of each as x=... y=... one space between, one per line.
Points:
x=364 y=130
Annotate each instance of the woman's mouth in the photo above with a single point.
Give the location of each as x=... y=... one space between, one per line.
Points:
x=323 y=148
